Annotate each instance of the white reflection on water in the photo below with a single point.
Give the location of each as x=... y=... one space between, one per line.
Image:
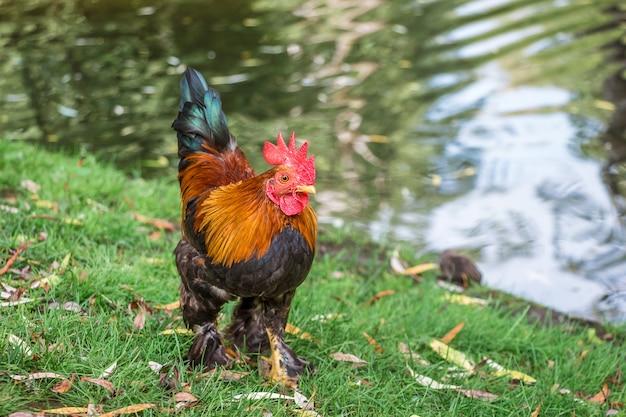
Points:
x=538 y=212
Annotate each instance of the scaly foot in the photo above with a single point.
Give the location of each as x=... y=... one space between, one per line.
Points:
x=282 y=366
x=207 y=348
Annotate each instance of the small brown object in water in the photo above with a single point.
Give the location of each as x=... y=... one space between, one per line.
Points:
x=458 y=269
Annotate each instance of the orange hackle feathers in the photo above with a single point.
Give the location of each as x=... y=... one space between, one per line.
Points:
x=239 y=221
x=209 y=169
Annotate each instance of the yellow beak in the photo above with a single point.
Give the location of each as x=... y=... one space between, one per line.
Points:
x=309 y=189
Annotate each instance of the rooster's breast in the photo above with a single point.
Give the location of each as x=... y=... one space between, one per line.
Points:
x=282 y=268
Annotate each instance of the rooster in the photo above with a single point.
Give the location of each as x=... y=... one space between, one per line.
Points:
x=245 y=237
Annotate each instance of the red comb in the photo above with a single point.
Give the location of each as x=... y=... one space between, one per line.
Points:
x=281 y=154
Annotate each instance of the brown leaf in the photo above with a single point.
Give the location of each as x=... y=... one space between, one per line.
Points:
x=232 y=376
x=63 y=386
x=66 y=411
x=140 y=319
x=156 y=235
x=13 y=258
x=536 y=412
x=348 y=357
x=158 y=223
x=131 y=409
x=22 y=414
x=449 y=337
x=185 y=397
x=107 y=385
x=184 y=400
x=377 y=347
x=379 y=295
x=477 y=394
x=602 y=396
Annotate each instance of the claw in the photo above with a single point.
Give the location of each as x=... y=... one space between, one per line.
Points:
x=281 y=367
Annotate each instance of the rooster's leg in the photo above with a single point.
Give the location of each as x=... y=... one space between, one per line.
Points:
x=247 y=329
x=283 y=366
x=200 y=303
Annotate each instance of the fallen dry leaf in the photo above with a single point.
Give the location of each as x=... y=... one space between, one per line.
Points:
x=396 y=263
x=140 y=319
x=175 y=305
x=9 y=263
x=254 y=396
x=450 y=287
x=155 y=366
x=449 y=337
x=66 y=411
x=109 y=371
x=178 y=330
x=601 y=397
x=63 y=386
x=21 y=345
x=470 y=393
x=325 y=318
x=536 y=412
x=232 y=376
x=158 y=223
x=30 y=186
x=296 y=331
x=379 y=295
x=500 y=371
x=67 y=306
x=37 y=375
x=477 y=394
x=452 y=355
x=184 y=400
x=47 y=204
x=23 y=300
x=22 y=414
x=131 y=409
x=185 y=396
x=302 y=401
x=465 y=300
x=420 y=269
x=409 y=354
x=398 y=266
x=107 y=385
x=377 y=347
x=348 y=357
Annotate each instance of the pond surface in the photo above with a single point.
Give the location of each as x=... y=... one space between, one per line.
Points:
x=477 y=125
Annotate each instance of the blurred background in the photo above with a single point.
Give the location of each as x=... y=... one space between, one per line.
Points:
x=492 y=126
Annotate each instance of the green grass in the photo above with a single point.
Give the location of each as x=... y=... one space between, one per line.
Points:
x=113 y=261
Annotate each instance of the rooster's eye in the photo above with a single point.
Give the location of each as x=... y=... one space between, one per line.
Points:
x=284 y=178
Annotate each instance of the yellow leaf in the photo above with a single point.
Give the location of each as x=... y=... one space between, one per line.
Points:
x=296 y=331
x=419 y=269
x=131 y=409
x=174 y=305
x=500 y=371
x=464 y=300
x=178 y=330
x=452 y=355
x=66 y=411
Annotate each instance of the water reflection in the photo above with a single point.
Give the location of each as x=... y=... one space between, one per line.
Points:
x=472 y=124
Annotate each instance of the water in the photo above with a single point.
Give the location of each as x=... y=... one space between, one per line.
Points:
x=478 y=125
